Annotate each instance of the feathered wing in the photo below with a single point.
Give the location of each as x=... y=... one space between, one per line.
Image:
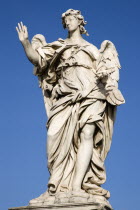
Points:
x=38 y=42
x=108 y=67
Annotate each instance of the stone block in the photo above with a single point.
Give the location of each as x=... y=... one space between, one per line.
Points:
x=83 y=206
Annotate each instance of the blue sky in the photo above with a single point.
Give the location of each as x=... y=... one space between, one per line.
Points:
x=23 y=171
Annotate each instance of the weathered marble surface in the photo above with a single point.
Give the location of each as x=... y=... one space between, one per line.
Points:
x=80 y=89
x=91 y=206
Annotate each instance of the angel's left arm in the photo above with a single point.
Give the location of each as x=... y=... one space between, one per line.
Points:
x=111 y=81
x=108 y=72
x=108 y=65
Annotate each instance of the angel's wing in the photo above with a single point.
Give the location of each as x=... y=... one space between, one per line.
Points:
x=39 y=41
x=109 y=65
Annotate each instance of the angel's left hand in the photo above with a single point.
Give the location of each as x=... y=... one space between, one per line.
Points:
x=109 y=87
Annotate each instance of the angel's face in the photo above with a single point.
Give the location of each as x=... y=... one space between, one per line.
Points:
x=72 y=23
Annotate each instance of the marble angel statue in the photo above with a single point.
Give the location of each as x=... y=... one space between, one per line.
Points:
x=80 y=90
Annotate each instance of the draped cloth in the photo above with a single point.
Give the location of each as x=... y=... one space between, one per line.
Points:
x=70 y=70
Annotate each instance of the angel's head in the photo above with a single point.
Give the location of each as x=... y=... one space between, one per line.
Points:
x=72 y=19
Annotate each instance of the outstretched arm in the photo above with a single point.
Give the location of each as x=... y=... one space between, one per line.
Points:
x=31 y=54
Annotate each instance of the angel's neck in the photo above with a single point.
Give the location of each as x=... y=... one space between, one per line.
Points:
x=74 y=36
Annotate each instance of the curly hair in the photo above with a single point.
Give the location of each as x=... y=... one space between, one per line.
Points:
x=76 y=14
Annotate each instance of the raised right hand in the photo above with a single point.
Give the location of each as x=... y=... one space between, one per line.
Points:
x=22 y=32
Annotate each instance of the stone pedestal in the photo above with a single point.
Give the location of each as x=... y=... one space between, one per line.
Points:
x=83 y=206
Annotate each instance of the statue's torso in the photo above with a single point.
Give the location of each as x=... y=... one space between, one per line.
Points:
x=76 y=68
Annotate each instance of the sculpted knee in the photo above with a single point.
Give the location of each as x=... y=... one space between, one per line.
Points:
x=87 y=133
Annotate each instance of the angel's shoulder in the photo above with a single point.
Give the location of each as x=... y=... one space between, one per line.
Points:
x=94 y=50
x=92 y=46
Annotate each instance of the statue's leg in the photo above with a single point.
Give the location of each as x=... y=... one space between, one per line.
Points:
x=84 y=155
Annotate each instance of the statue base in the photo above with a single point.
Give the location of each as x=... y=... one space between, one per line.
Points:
x=74 y=206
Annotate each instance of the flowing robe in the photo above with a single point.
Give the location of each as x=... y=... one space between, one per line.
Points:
x=65 y=71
